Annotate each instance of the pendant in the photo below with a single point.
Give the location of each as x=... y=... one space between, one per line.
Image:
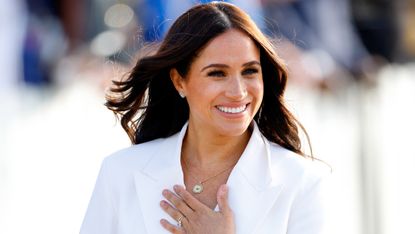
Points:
x=198 y=188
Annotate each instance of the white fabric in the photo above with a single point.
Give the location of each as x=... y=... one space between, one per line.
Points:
x=271 y=190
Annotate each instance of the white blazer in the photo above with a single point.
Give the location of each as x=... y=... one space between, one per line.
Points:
x=271 y=189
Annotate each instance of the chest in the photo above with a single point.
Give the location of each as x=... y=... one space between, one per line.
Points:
x=137 y=210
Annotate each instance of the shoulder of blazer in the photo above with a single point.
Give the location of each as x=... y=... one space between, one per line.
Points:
x=135 y=157
x=299 y=170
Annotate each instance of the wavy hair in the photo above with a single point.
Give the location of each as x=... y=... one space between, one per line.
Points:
x=148 y=104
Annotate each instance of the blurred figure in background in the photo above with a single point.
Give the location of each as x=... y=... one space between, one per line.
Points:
x=408 y=29
x=11 y=41
x=377 y=24
x=54 y=28
x=320 y=36
x=156 y=16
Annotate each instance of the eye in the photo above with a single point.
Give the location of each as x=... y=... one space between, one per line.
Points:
x=249 y=71
x=216 y=73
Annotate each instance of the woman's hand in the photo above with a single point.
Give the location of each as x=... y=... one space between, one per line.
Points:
x=194 y=216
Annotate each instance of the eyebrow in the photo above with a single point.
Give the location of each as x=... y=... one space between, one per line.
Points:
x=226 y=66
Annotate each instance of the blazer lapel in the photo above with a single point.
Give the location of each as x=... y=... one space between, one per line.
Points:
x=162 y=171
x=253 y=187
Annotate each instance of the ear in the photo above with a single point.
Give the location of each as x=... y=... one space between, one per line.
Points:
x=178 y=81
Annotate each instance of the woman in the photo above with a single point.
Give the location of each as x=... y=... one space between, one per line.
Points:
x=215 y=149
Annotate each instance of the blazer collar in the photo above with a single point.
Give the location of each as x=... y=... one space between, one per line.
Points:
x=253 y=185
x=162 y=171
x=166 y=161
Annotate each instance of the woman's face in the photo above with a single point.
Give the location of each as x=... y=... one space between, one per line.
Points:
x=224 y=86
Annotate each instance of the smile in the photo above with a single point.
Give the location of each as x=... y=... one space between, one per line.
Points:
x=232 y=110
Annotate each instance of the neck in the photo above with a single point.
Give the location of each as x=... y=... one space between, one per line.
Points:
x=203 y=150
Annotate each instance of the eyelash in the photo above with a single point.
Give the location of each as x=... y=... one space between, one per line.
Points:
x=250 y=71
x=219 y=73
x=216 y=73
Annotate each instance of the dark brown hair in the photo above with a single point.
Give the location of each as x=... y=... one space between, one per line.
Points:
x=149 y=105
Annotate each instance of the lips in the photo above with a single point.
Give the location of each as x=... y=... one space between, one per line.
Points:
x=232 y=110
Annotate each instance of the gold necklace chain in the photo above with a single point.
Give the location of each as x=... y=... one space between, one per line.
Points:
x=198 y=187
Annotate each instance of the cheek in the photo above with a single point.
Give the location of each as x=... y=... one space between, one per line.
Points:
x=201 y=95
x=257 y=88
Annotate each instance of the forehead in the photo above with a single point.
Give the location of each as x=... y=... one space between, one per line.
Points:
x=232 y=46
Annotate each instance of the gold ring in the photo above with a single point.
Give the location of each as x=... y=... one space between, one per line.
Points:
x=179 y=221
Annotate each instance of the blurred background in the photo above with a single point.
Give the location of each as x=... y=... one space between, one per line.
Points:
x=352 y=85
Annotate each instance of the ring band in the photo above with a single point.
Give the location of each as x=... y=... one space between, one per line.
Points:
x=179 y=221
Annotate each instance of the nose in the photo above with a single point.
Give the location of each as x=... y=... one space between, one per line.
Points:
x=236 y=88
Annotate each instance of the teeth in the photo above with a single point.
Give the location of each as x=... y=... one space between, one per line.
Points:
x=232 y=110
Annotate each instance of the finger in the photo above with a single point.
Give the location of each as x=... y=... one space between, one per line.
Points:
x=177 y=202
x=222 y=198
x=190 y=200
x=171 y=211
x=170 y=227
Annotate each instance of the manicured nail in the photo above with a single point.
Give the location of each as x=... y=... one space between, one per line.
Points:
x=165 y=192
x=163 y=221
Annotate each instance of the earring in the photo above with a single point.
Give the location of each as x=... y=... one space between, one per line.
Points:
x=182 y=95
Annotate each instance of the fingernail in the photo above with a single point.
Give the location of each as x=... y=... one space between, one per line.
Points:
x=176 y=187
x=162 y=203
x=165 y=192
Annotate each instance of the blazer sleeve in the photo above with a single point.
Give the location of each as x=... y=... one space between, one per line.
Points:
x=101 y=215
x=309 y=210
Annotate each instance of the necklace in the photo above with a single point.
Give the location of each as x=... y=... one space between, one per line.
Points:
x=198 y=187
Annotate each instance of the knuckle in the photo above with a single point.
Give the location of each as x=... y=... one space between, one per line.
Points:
x=189 y=218
x=170 y=209
x=167 y=196
x=175 y=201
x=202 y=212
x=167 y=206
x=185 y=195
x=180 y=205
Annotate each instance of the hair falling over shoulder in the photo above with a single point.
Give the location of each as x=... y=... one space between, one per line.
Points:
x=149 y=106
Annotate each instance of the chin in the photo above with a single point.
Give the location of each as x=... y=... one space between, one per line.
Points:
x=234 y=129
